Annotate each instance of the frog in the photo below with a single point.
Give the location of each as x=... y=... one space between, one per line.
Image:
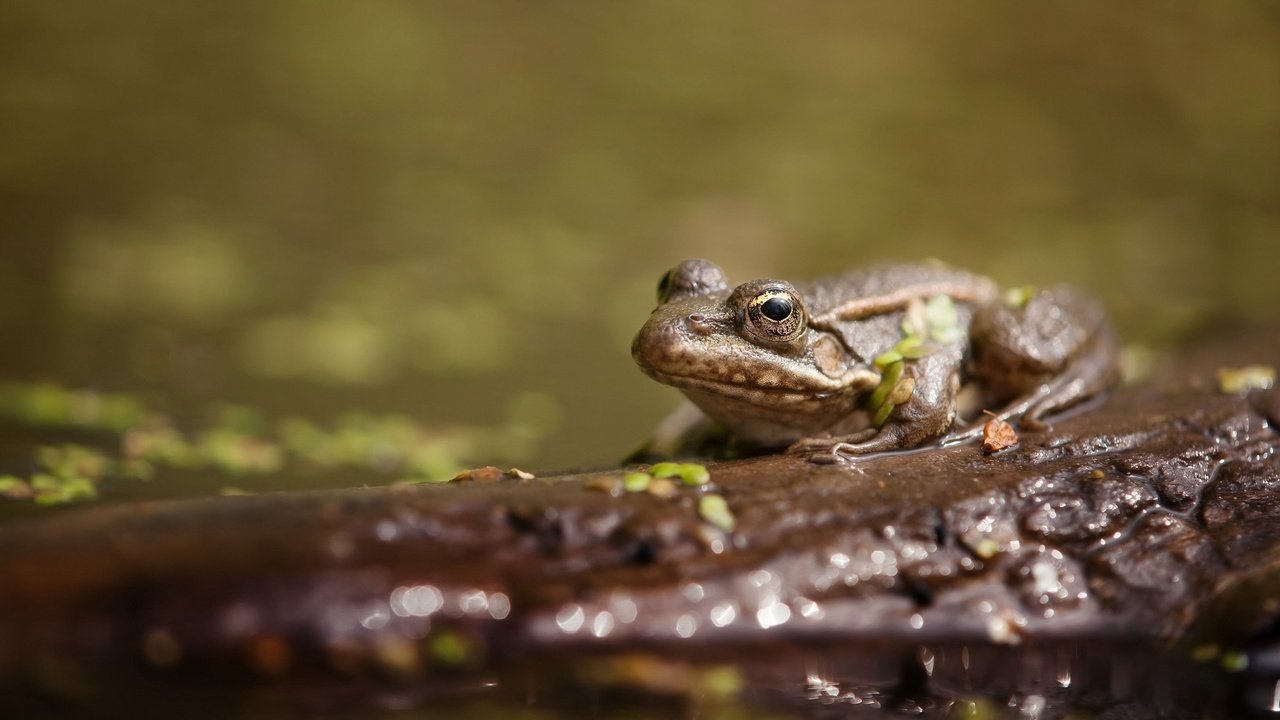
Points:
x=886 y=357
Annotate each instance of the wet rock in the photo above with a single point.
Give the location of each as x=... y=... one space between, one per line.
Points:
x=1148 y=519
x=1240 y=510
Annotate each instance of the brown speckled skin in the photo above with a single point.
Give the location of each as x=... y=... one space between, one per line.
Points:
x=1054 y=351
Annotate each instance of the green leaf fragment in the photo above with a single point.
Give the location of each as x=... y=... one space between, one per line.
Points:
x=1235 y=661
x=942 y=318
x=986 y=548
x=636 y=481
x=15 y=487
x=887 y=358
x=665 y=469
x=54 y=490
x=723 y=681
x=694 y=474
x=450 y=648
x=911 y=346
x=1016 y=297
x=902 y=392
x=975 y=708
x=888 y=380
x=882 y=414
x=715 y=510
x=914 y=320
x=688 y=473
x=1234 y=381
x=1206 y=652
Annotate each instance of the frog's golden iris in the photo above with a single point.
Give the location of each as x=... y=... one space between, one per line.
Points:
x=775 y=315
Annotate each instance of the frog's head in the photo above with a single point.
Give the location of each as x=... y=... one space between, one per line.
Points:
x=747 y=356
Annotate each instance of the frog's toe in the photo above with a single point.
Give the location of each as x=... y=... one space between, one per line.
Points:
x=960 y=436
x=836 y=453
x=825 y=457
x=810 y=445
x=828 y=445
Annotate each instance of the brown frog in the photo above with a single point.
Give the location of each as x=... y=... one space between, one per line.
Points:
x=874 y=359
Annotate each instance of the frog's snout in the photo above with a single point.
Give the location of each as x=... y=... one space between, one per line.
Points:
x=662 y=344
x=652 y=345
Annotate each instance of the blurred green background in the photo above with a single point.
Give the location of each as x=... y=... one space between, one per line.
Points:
x=458 y=211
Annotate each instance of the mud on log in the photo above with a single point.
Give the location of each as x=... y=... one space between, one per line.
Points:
x=1149 y=519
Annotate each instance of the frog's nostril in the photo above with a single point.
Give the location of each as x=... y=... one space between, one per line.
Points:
x=697 y=322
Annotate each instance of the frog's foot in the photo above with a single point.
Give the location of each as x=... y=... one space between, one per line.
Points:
x=828 y=450
x=1084 y=381
x=962 y=436
x=1055 y=351
x=846 y=448
x=1062 y=393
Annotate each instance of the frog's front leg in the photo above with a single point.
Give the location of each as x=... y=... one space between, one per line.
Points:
x=923 y=408
x=1040 y=352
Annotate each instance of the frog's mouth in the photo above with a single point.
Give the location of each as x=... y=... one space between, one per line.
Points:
x=763 y=394
x=742 y=391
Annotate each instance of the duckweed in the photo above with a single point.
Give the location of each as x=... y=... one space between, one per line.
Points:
x=975 y=709
x=1235 y=381
x=688 y=473
x=238 y=440
x=46 y=404
x=1205 y=653
x=942 y=319
x=665 y=469
x=723 y=681
x=882 y=413
x=887 y=358
x=715 y=510
x=915 y=322
x=888 y=380
x=451 y=648
x=694 y=474
x=1234 y=661
x=1017 y=297
x=15 y=487
x=56 y=490
x=636 y=481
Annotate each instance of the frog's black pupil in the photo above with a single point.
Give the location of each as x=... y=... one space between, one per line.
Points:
x=776 y=309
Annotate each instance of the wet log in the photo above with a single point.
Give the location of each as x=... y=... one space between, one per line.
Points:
x=1148 y=520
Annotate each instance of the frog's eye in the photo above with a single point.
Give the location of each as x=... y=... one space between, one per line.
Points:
x=777 y=308
x=776 y=315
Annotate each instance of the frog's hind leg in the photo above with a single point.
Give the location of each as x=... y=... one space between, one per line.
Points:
x=1053 y=351
x=1087 y=376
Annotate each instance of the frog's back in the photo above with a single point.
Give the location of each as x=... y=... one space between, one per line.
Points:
x=822 y=295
